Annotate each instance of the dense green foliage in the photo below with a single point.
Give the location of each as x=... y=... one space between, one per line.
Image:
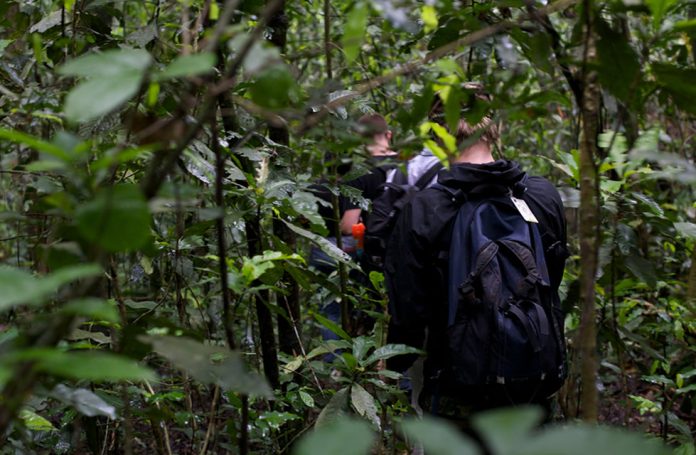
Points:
x=153 y=153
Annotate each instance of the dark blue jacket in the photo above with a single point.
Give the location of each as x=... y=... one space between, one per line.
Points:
x=416 y=266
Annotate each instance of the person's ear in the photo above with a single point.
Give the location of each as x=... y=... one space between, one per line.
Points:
x=388 y=135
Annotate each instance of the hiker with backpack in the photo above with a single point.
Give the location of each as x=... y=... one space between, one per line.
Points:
x=472 y=269
x=374 y=129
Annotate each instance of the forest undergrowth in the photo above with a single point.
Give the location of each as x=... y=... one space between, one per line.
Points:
x=157 y=218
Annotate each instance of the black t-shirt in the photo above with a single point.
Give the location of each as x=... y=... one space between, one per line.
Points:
x=370 y=184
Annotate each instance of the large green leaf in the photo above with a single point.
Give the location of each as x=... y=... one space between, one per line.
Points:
x=19 y=286
x=326 y=246
x=364 y=404
x=659 y=8
x=390 y=350
x=585 y=439
x=97 y=97
x=109 y=64
x=35 y=422
x=619 y=67
x=210 y=364
x=336 y=408
x=35 y=143
x=117 y=219
x=189 y=65
x=502 y=430
x=354 y=30
x=679 y=83
x=273 y=87
x=345 y=436
x=114 y=77
x=90 y=366
x=331 y=325
x=438 y=437
x=91 y=307
x=642 y=268
x=536 y=47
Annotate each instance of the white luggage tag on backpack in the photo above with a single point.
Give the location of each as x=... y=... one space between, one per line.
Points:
x=524 y=210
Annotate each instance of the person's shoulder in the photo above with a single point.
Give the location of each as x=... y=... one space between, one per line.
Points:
x=429 y=203
x=541 y=187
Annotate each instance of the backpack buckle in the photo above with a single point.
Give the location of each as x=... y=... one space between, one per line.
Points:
x=518 y=189
x=467 y=293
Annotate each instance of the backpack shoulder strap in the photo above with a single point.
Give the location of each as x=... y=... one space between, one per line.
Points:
x=456 y=195
x=390 y=174
x=428 y=176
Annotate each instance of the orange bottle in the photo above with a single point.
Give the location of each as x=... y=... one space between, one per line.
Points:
x=358 y=231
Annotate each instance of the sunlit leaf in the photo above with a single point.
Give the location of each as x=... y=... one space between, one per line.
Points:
x=306 y=398
x=659 y=8
x=429 y=18
x=35 y=422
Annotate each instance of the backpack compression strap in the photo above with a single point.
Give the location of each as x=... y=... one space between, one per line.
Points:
x=424 y=179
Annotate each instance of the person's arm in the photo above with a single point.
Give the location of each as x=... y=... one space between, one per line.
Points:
x=349 y=218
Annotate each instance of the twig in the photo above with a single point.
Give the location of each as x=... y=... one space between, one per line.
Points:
x=327 y=37
x=220 y=225
x=164 y=426
x=211 y=420
x=225 y=17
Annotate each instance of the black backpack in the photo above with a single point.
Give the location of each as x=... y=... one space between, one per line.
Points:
x=503 y=324
x=386 y=207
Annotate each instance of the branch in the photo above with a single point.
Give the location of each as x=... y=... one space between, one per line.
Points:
x=542 y=18
x=417 y=65
x=225 y=17
x=164 y=161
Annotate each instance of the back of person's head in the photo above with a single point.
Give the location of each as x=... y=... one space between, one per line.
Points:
x=474 y=98
x=371 y=124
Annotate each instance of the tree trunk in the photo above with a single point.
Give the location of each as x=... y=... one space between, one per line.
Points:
x=254 y=246
x=289 y=327
x=691 y=285
x=589 y=224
